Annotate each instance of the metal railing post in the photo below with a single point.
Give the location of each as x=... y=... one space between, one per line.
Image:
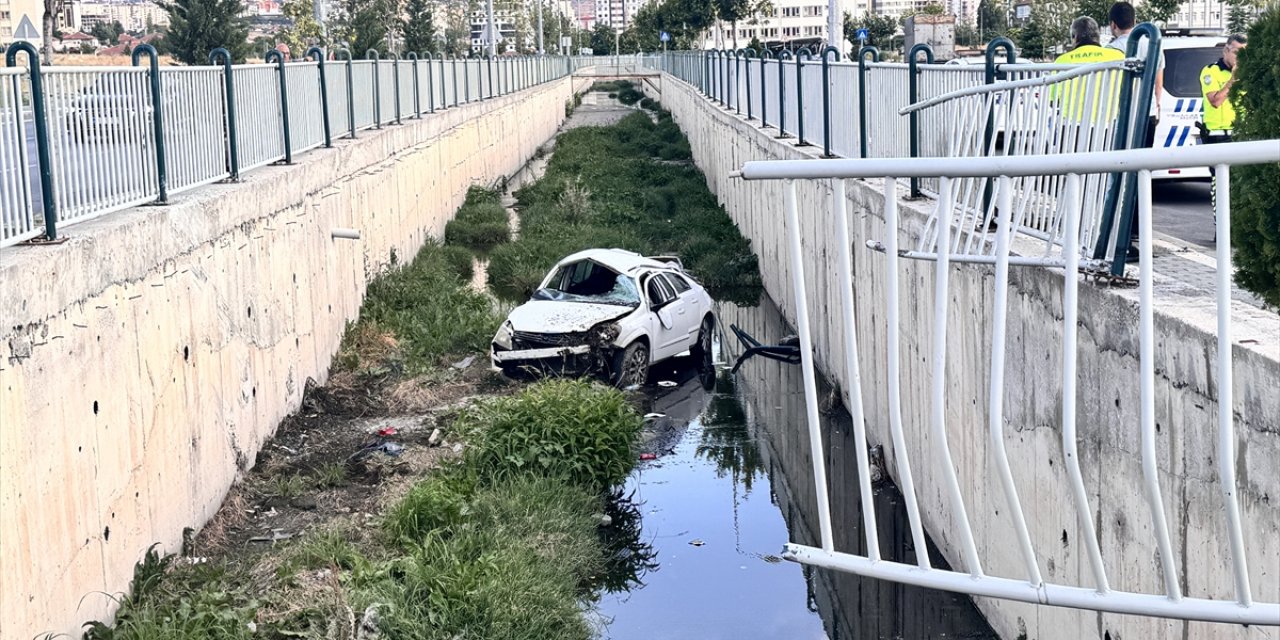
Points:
x=453 y=67
x=317 y=54
x=826 y=99
x=990 y=76
x=489 y=63
x=800 y=56
x=417 y=100
x=42 y=132
x=284 y=102
x=862 y=94
x=764 y=97
x=223 y=57
x=431 y=85
x=395 y=82
x=913 y=89
x=343 y=54
x=747 y=54
x=724 y=77
x=1127 y=183
x=782 y=93
x=157 y=114
x=372 y=54
x=705 y=74
x=737 y=99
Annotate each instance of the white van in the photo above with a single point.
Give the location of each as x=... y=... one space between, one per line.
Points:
x=1182 y=102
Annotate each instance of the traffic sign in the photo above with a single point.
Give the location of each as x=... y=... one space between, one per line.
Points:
x=664 y=36
x=863 y=34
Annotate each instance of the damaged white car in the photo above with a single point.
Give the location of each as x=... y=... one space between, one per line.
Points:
x=610 y=312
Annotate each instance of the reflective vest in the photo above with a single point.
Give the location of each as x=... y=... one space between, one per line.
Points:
x=1213 y=78
x=1071 y=99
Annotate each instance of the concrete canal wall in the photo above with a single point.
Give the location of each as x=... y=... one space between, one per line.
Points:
x=1107 y=407
x=147 y=359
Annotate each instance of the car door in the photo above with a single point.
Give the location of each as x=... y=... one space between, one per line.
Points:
x=669 y=311
x=692 y=311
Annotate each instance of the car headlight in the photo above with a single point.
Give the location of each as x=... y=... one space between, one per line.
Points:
x=505 y=333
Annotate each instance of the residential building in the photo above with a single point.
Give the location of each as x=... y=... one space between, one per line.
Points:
x=75 y=42
x=133 y=16
x=792 y=23
x=1200 y=14
x=617 y=14
x=584 y=13
x=508 y=37
x=20 y=20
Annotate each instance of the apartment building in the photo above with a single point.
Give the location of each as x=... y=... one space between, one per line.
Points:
x=616 y=14
x=792 y=21
x=507 y=37
x=1200 y=14
x=133 y=16
x=20 y=21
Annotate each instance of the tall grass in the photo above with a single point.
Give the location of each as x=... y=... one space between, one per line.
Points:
x=427 y=311
x=481 y=223
x=645 y=195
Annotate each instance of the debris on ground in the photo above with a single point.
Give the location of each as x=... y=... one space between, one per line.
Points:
x=697 y=542
x=648 y=456
x=435 y=438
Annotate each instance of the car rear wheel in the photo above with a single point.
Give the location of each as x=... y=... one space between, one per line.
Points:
x=631 y=365
x=702 y=348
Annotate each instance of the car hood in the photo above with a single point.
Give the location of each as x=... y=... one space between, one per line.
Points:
x=551 y=316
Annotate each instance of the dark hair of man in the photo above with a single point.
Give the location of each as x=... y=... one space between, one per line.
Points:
x=1238 y=38
x=1122 y=15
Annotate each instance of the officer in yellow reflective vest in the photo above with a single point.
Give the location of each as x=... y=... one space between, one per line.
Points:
x=1216 y=83
x=1087 y=50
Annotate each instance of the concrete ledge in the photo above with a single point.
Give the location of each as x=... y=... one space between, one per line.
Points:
x=147 y=359
x=1107 y=406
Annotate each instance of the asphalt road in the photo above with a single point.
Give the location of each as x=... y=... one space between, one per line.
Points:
x=1184 y=210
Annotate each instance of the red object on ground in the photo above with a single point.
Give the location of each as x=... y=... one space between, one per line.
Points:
x=648 y=456
x=389 y=431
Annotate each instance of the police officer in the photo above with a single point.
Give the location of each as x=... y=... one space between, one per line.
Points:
x=1216 y=83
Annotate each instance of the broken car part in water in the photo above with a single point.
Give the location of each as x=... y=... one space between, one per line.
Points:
x=607 y=312
x=787 y=351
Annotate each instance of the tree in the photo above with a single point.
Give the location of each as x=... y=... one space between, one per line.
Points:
x=602 y=39
x=1157 y=10
x=197 y=27
x=419 y=26
x=1255 y=210
x=880 y=29
x=362 y=25
x=967 y=35
x=1050 y=26
x=993 y=19
x=51 y=10
x=1241 y=14
x=304 y=30
x=1099 y=10
x=733 y=11
x=107 y=34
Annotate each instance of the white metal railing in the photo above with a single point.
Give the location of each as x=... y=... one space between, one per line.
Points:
x=1236 y=606
x=195 y=121
x=260 y=137
x=19 y=182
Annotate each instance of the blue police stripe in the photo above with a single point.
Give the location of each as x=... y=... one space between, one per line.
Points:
x=1177 y=108
x=1169 y=140
x=1185 y=132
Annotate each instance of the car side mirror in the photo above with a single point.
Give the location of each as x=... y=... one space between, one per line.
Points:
x=657 y=306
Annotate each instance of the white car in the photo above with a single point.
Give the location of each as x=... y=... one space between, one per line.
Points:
x=607 y=311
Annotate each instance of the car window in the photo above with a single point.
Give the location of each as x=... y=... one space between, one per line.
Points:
x=658 y=289
x=681 y=285
x=587 y=281
x=1182 y=69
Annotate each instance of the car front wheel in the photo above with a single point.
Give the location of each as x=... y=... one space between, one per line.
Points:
x=702 y=348
x=631 y=365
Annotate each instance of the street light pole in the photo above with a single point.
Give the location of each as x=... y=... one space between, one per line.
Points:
x=834 y=37
x=493 y=49
x=541 y=49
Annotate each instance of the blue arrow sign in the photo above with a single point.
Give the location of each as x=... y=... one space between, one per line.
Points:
x=664 y=36
x=863 y=34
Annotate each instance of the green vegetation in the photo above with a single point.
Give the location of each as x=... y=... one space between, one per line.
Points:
x=481 y=224
x=1255 y=203
x=419 y=313
x=610 y=86
x=645 y=195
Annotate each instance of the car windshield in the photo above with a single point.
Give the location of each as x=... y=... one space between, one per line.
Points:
x=590 y=282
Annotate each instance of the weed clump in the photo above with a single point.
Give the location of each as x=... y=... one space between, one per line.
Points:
x=481 y=224
x=416 y=314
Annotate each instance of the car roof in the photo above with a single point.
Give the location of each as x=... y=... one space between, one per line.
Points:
x=619 y=260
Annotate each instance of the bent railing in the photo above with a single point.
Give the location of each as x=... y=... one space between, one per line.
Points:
x=1095 y=592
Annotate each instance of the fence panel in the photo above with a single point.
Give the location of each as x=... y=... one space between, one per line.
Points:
x=812 y=98
x=845 y=103
x=386 y=91
x=424 y=71
x=935 y=80
x=335 y=78
x=770 y=104
x=790 y=97
x=101 y=139
x=888 y=134
x=405 y=94
x=196 y=148
x=19 y=174
x=259 y=128
x=306 y=126
x=362 y=92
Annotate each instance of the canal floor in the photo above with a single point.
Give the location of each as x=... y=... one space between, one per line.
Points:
x=730 y=485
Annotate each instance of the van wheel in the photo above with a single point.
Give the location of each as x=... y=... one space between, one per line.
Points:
x=702 y=348
x=631 y=365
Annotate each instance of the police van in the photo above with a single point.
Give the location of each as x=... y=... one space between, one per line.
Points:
x=1186 y=53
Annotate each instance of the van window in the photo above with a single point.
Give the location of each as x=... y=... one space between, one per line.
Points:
x=659 y=291
x=679 y=283
x=1182 y=70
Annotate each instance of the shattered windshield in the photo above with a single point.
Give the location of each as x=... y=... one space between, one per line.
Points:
x=590 y=282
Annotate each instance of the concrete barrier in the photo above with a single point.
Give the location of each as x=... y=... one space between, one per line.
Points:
x=1107 y=409
x=149 y=357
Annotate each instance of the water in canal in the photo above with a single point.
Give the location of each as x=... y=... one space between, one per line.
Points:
x=704 y=523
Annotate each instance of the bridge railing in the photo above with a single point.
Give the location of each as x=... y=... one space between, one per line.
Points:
x=81 y=142
x=1227 y=594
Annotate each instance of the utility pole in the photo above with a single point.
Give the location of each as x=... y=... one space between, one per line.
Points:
x=541 y=49
x=834 y=36
x=491 y=28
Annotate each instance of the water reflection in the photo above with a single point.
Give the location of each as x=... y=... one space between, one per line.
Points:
x=726 y=441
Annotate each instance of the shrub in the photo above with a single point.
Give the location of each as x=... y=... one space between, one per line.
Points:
x=571 y=429
x=1255 y=202
x=461 y=261
x=479 y=226
x=629 y=95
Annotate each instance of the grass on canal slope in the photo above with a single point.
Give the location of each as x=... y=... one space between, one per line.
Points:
x=632 y=186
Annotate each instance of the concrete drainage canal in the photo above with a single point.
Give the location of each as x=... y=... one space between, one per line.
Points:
x=723 y=483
